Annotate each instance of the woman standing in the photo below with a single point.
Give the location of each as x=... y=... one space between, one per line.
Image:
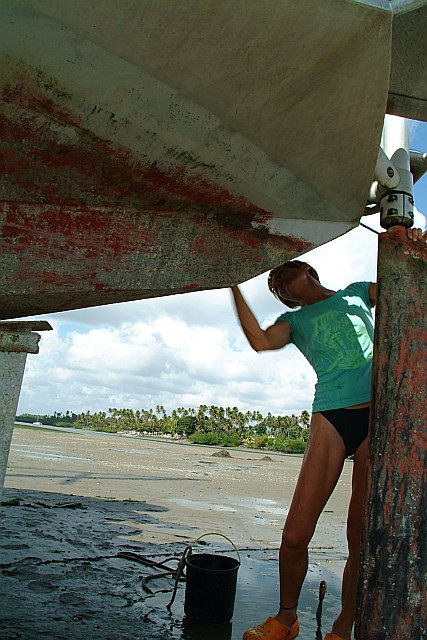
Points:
x=334 y=331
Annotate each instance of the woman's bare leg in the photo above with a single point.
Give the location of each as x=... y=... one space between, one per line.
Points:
x=320 y=470
x=344 y=623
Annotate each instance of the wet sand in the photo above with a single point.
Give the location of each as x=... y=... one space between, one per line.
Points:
x=82 y=497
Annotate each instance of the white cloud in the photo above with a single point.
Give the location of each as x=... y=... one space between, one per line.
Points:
x=165 y=361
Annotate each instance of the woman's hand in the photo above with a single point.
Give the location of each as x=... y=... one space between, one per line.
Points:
x=416 y=234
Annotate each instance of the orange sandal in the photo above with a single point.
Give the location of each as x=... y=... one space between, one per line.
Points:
x=333 y=636
x=272 y=629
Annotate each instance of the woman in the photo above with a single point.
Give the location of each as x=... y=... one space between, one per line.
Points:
x=334 y=330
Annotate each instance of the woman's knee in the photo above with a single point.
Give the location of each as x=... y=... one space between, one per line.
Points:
x=294 y=538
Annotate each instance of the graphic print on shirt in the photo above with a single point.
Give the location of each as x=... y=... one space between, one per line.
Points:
x=338 y=335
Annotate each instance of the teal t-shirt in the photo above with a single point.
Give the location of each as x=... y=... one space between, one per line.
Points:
x=336 y=336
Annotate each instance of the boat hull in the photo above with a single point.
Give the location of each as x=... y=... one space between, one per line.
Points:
x=165 y=148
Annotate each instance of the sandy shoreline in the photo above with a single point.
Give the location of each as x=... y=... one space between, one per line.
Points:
x=244 y=494
x=143 y=495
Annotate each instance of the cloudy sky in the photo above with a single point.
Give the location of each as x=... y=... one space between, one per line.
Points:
x=188 y=350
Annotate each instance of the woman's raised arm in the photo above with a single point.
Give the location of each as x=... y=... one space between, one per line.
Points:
x=275 y=337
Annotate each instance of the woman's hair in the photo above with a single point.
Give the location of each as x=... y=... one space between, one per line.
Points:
x=295 y=264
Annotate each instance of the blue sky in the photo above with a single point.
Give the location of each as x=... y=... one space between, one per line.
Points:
x=188 y=350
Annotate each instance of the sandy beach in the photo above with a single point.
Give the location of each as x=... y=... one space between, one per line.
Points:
x=73 y=500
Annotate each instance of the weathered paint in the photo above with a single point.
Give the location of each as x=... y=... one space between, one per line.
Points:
x=105 y=227
x=167 y=156
x=43 y=168
x=58 y=257
x=392 y=602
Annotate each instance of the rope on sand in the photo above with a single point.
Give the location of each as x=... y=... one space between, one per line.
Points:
x=178 y=572
x=169 y=571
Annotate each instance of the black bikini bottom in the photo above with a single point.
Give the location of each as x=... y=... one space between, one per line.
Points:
x=351 y=424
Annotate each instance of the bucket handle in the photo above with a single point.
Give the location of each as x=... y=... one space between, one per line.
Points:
x=187 y=552
x=217 y=533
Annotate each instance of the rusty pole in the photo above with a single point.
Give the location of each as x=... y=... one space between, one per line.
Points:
x=392 y=596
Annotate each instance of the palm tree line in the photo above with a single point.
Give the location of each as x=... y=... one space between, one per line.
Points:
x=203 y=425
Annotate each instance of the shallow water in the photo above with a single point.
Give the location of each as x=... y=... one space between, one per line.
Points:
x=259 y=505
x=263 y=505
x=198 y=505
x=256 y=598
x=44 y=452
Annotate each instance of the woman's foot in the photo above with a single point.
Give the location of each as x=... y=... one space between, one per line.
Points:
x=333 y=636
x=272 y=629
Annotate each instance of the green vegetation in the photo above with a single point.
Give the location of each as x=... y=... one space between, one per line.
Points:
x=227 y=427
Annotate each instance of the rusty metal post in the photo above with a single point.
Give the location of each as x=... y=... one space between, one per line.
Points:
x=392 y=599
x=16 y=340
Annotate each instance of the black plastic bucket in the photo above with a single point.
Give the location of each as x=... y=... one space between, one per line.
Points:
x=210 y=588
